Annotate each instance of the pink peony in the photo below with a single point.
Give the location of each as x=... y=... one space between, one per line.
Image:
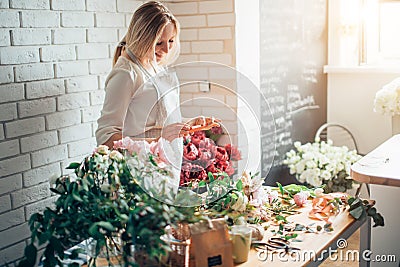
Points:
x=216 y=130
x=132 y=146
x=233 y=152
x=300 y=198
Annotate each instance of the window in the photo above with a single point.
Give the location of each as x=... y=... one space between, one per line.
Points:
x=364 y=32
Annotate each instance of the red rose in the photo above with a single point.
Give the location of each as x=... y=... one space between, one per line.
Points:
x=211 y=167
x=197 y=137
x=225 y=166
x=233 y=152
x=190 y=152
x=221 y=154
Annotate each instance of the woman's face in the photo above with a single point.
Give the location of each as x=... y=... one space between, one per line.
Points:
x=165 y=43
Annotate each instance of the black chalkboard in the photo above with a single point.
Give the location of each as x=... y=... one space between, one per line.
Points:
x=293 y=51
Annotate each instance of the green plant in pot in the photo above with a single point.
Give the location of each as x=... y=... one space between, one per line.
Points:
x=105 y=203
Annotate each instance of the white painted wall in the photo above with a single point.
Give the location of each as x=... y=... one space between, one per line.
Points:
x=351 y=93
x=248 y=83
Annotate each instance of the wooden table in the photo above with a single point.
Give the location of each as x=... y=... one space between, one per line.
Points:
x=381 y=166
x=314 y=246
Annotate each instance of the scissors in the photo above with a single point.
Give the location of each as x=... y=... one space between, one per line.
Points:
x=275 y=243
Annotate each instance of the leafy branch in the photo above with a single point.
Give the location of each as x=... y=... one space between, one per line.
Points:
x=359 y=209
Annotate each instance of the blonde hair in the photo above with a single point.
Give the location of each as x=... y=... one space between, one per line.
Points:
x=146 y=26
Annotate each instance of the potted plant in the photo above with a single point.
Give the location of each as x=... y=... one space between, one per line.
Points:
x=106 y=203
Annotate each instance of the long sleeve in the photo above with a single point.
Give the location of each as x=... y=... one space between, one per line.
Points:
x=120 y=87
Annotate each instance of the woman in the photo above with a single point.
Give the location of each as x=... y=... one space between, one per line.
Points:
x=137 y=104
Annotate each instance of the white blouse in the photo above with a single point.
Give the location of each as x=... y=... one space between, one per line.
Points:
x=132 y=102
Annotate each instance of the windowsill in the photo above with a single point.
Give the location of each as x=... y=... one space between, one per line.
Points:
x=361 y=69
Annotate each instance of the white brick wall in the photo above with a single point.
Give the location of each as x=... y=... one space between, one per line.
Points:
x=19 y=55
x=32 y=72
x=57 y=53
x=63 y=119
x=36 y=107
x=39 y=19
x=72 y=101
x=29 y=195
x=9 y=148
x=69 y=35
x=33 y=4
x=49 y=155
x=14 y=235
x=44 y=88
x=8 y=111
x=77 y=19
x=10 y=183
x=9 y=18
x=41 y=174
x=24 y=127
x=15 y=165
x=5 y=205
x=4 y=37
x=54 y=59
x=68 y=5
x=31 y=36
x=39 y=141
x=101 y=5
x=71 y=68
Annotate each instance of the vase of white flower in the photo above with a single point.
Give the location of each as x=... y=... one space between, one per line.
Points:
x=322 y=164
x=387 y=101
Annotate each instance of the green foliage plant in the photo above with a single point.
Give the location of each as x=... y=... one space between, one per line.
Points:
x=103 y=202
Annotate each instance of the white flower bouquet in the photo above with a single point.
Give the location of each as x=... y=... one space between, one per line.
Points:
x=387 y=99
x=322 y=163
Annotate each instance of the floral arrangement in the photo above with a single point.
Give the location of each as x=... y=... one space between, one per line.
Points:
x=322 y=163
x=202 y=156
x=387 y=99
x=109 y=201
x=249 y=202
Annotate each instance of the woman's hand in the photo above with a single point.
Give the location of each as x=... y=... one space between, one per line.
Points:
x=203 y=123
x=175 y=130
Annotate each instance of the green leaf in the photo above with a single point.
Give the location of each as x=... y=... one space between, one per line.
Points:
x=280 y=188
x=239 y=185
x=73 y=165
x=372 y=211
x=31 y=254
x=75 y=253
x=202 y=184
x=357 y=212
x=210 y=176
x=378 y=220
x=55 y=191
x=106 y=225
x=280 y=218
x=57 y=247
x=299 y=227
